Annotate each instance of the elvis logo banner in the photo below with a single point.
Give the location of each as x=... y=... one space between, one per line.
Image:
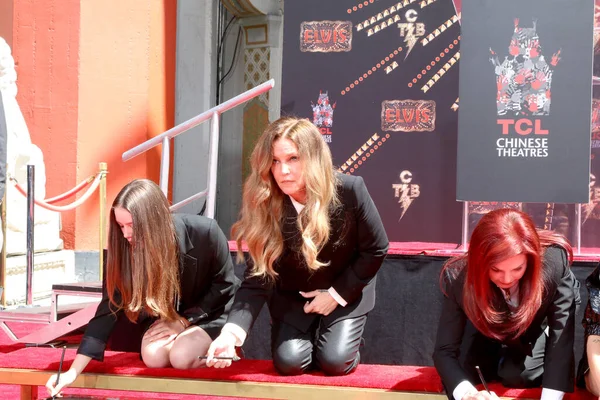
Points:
x=525 y=93
x=379 y=78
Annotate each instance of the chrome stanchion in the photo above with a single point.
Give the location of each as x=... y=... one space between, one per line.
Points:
x=30 y=222
x=103 y=169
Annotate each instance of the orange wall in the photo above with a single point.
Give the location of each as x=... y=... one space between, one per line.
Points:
x=45 y=47
x=161 y=93
x=6 y=20
x=126 y=83
x=95 y=79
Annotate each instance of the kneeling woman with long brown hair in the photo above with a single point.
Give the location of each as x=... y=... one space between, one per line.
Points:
x=509 y=309
x=170 y=273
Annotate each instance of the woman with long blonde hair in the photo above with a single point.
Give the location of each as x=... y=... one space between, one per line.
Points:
x=315 y=243
x=171 y=274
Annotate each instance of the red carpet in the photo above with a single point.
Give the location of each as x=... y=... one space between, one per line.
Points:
x=405 y=378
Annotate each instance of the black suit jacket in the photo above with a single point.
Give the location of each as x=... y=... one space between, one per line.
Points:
x=557 y=312
x=356 y=249
x=208 y=284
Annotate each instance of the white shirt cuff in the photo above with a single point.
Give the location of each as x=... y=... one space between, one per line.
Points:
x=461 y=389
x=551 y=394
x=336 y=296
x=236 y=331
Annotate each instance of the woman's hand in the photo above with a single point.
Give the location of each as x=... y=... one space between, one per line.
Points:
x=66 y=379
x=162 y=329
x=223 y=346
x=481 y=395
x=321 y=303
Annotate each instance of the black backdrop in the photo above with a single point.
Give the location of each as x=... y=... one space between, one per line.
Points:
x=400 y=330
x=402 y=327
x=428 y=156
x=541 y=75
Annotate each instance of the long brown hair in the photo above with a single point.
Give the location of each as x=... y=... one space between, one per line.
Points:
x=262 y=205
x=499 y=235
x=143 y=275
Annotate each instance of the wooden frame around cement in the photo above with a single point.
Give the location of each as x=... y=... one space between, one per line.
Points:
x=29 y=380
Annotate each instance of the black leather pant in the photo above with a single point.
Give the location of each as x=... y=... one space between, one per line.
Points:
x=334 y=348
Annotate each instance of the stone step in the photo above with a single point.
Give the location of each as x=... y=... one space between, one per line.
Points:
x=54 y=267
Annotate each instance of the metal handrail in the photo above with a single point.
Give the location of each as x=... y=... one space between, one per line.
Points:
x=198 y=119
x=213 y=114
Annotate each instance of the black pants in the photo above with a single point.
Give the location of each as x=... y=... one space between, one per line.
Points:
x=334 y=348
x=512 y=366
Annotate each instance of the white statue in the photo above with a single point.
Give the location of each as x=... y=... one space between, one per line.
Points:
x=21 y=152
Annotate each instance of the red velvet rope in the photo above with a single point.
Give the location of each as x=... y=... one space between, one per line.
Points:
x=68 y=207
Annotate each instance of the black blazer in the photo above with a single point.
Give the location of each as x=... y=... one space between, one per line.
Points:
x=208 y=284
x=356 y=249
x=557 y=312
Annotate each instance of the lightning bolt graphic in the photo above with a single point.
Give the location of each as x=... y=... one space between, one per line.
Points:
x=405 y=200
x=410 y=39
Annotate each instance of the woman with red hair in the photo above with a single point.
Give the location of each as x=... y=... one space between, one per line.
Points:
x=509 y=308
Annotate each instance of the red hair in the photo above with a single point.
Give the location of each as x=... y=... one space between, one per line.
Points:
x=499 y=235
